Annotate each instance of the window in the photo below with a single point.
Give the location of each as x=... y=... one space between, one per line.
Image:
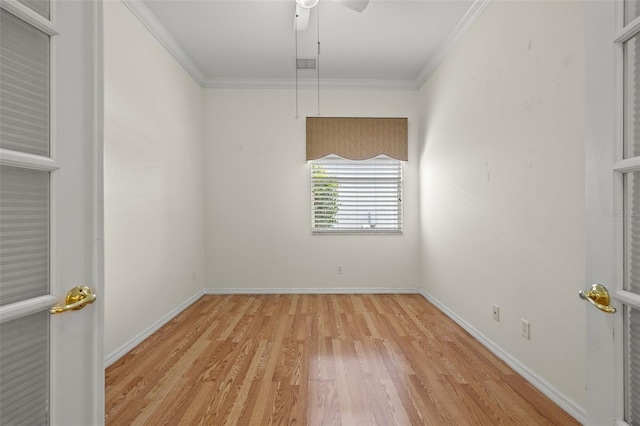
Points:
x=363 y=196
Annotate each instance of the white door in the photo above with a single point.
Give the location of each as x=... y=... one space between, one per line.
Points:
x=51 y=365
x=613 y=211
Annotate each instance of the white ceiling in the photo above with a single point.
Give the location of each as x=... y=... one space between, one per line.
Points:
x=391 y=42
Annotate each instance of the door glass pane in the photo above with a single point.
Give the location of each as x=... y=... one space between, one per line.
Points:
x=41 y=7
x=24 y=86
x=24 y=234
x=632 y=98
x=631 y=10
x=631 y=215
x=24 y=370
x=632 y=394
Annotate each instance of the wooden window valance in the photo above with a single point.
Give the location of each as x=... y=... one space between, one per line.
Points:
x=356 y=138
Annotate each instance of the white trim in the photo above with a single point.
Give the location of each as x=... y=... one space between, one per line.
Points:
x=148 y=19
x=621 y=167
x=627 y=298
x=618 y=229
x=566 y=403
x=450 y=42
x=127 y=347
x=26 y=307
x=29 y=16
x=628 y=164
x=28 y=161
x=371 y=290
x=290 y=83
x=97 y=204
x=628 y=31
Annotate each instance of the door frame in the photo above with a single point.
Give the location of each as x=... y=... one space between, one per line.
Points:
x=93 y=381
x=97 y=208
x=98 y=214
x=602 y=233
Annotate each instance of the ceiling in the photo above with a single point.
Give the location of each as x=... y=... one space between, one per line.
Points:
x=247 y=42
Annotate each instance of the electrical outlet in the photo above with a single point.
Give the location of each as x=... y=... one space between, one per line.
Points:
x=526 y=329
x=496 y=313
x=339 y=270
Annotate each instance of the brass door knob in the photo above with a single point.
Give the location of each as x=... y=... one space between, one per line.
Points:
x=598 y=296
x=77 y=298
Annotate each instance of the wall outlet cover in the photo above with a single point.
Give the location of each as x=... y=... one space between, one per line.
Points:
x=496 y=313
x=526 y=329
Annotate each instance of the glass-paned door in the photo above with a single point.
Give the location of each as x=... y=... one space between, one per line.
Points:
x=628 y=179
x=26 y=169
x=51 y=366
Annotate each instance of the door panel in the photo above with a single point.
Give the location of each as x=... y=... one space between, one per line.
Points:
x=613 y=186
x=50 y=206
x=604 y=211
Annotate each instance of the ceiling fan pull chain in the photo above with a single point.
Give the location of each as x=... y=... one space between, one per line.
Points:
x=296 y=62
x=318 y=57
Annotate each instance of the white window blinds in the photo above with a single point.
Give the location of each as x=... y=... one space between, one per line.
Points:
x=356 y=196
x=632 y=318
x=24 y=370
x=24 y=86
x=631 y=50
x=25 y=60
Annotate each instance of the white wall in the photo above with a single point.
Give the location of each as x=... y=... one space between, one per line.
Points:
x=154 y=179
x=502 y=184
x=258 y=195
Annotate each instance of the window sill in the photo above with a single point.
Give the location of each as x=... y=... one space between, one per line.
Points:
x=355 y=232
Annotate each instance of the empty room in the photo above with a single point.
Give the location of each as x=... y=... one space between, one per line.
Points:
x=334 y=212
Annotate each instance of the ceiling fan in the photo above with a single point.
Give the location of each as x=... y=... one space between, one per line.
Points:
x=301 y=22
x=303 y=9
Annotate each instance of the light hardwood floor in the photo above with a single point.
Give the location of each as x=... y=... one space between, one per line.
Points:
x=318 y=360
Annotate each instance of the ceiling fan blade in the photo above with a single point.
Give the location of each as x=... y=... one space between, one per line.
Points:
x=301 y=18
x=357 y=5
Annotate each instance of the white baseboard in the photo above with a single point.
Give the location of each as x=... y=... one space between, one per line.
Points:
x=124 y=349
x=374 y=290
x=566 y=403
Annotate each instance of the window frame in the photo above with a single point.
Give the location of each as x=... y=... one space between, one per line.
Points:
x=399 y=230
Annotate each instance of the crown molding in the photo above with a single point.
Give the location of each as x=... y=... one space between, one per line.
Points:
x=450 y=42
x=148 y=19
x=290 y=83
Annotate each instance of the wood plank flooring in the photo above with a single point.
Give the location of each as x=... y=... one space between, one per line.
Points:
x=312 y=360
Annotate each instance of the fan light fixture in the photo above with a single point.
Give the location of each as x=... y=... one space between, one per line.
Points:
x=307 y=4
